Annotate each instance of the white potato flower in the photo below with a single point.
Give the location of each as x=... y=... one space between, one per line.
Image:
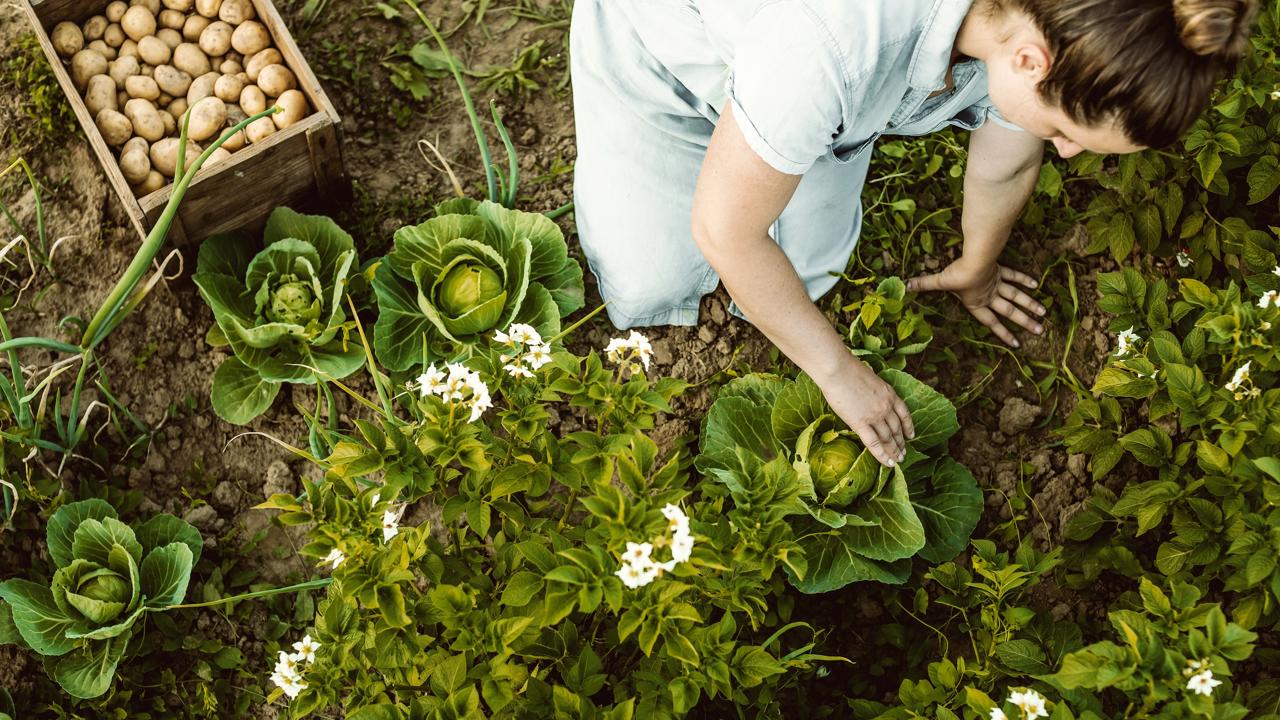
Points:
x=1270 y=298
x=998 y=714
x=678 y=521
x=1031 y=703
x=305 y=649
x=537 y=356
x=287 y=664
x=1125 y=341
x=635 y=576
x=517 y=371
x=430 y=380
x=638 y=553
x=524 y=334
x=292 y=685
x=391 y=522
x=1241 y=376
x=1203 y=683
x=681 y=546
x=335 y=557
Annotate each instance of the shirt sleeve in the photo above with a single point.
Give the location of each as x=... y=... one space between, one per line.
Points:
x=787 y=86
x=986 y=110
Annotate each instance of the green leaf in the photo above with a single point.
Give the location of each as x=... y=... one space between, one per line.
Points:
x=1022 y=656
x=833 y=564
x=62 y=526
x=239 y=393
x=321 y=233
x=752 y=665
x=391 y=605
x=1264 y=178
x=1147 y=226
x=165 y=529
x=549 y=263
x=895 y=532
x=521 y=588
x=932 y=413
x=94 y=539
x=401 y=330
x=9 y=634
x=42 y=624
x=949 y=510
x=88 y=671
x=165 y=574
x=1116 y=382
x=737 y=422
x=226 y=254
x=797 y=406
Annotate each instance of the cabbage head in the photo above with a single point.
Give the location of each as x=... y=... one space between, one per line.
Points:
x=281 y=309
x=856 y=519
x=107 y=575
x=473 y=269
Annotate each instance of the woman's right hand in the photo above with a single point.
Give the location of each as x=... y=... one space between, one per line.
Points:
x=870 y=407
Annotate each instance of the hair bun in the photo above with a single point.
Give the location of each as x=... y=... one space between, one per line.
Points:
x=1215 y=27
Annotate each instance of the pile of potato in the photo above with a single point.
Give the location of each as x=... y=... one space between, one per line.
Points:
x=143 y=64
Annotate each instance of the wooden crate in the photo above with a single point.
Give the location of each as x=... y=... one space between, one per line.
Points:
x=290 y=166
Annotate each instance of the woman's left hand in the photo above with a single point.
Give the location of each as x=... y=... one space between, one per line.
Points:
x=990 y=291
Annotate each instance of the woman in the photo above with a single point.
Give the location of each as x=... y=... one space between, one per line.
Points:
x=728 y=140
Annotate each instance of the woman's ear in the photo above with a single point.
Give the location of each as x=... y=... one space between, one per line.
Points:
x=1031 y=61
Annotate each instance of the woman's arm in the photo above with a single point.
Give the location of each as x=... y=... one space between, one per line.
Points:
x=1002 y=171
x=738 y=198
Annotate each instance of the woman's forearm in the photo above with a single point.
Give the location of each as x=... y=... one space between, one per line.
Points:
x=990 y=211
x=764 y=284
x=1002 y=171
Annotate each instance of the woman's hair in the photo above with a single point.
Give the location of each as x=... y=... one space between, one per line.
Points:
x=1148 y=65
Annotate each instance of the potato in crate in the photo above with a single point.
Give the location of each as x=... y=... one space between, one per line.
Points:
x=134 y=72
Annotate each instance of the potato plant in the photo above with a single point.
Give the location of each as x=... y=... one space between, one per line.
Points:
x=144 y=72
x=1192 y=397
x=549 y=622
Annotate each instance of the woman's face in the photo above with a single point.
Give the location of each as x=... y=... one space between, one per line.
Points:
x=1013 y=76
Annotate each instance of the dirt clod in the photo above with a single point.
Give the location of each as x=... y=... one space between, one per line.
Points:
x=1017 y=416
x=204 y=517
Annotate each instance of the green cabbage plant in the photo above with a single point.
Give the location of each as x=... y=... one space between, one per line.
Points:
x=282 y=310
x=857 y=520
x=107 y=576
x=473 y=269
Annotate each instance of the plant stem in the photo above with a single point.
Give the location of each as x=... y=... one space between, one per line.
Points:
x=513 y=166
x=40 y=342
x=93 y=334
x=308 y=585
x=564 y=209
x=485 y=157
x=577 y=323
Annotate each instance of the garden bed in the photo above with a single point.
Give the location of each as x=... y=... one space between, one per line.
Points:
x=215 y=662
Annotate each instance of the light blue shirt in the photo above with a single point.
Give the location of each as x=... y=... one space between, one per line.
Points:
x=809 y=79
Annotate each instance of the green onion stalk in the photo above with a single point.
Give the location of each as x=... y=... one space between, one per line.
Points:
x=123 y=300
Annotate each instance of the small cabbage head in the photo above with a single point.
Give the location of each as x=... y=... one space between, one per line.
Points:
x=293 y=301
x=468 y=286
x=830 y=461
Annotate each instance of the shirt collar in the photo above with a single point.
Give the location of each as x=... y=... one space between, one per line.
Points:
x=928 y=69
